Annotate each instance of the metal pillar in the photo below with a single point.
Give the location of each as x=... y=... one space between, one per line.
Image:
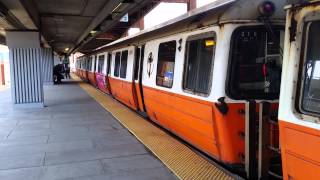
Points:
x=264 y=137
x=192 y=4
x=47 y=65
x=26 y=68
x=251 y=140
x=26 y=77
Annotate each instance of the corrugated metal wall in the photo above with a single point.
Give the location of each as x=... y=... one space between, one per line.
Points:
x=47 y=65
x=26 y=75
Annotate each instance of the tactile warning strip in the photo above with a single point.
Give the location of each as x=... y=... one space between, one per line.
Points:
x=180 y=159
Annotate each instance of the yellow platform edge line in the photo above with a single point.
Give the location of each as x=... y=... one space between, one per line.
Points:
x=180 y=159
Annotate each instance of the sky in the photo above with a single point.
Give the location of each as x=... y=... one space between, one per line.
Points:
x=4 y=53
x=203 y=2
x=164 y=12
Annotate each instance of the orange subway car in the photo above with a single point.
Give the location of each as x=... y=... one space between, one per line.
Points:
x=212 y=77
x=121 y=76
x=91 y=69
x=299 y=111
x=102 y=72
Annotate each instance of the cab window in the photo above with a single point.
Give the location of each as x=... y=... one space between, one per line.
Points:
x=199 y=63
x=310 y=90
x=255 y=63
x=165 y=66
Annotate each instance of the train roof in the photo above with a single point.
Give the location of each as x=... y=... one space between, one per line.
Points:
x=218 y=12
x=300 y=3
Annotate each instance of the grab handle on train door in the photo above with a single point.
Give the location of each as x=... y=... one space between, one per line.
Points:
x=222 y=106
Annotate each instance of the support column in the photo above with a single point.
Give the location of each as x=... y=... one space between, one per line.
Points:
x=192 y=4
x=26 y=68
x=47 y=66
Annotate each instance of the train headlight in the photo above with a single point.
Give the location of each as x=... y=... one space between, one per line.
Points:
x=267 y=8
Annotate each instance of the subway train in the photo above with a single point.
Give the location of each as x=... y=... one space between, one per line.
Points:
x=299 y=111
x=213 y=76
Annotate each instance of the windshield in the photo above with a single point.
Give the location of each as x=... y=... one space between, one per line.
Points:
x=255 y=64
x=310 y=100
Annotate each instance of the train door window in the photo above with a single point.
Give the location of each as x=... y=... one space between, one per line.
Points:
x=109 y=63
x=95 y=63
x=85 y=64
x=136 y=62
x=123 y=68
x=100 y=63
x=199 y=63
x=117 y=64
x=165 y=66
x=310 y=94
x=255 y=63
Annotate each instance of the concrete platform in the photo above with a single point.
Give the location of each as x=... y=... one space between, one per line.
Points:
x=73 y=138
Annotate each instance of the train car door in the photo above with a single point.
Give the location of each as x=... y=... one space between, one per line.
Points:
x=86 y=70
x=108 y=72
x=95 y=65
x=138 y=69
x=299 y=112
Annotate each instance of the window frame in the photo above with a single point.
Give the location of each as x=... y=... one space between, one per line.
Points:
x=194 y=37
x=175 y=54
x=230 y=68
x=308 y=20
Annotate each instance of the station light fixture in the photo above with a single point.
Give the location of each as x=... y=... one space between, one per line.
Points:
x=67 y=49
x=122 y=6
x=93 y=32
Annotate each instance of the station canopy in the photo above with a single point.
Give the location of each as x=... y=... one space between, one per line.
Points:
x=73 y=25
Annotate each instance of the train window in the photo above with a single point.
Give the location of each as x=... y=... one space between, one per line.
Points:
x=199 y=63
x=165 y=66
x=117 y=64
x=123 y=68
x=310 y=94
x=255 y=63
